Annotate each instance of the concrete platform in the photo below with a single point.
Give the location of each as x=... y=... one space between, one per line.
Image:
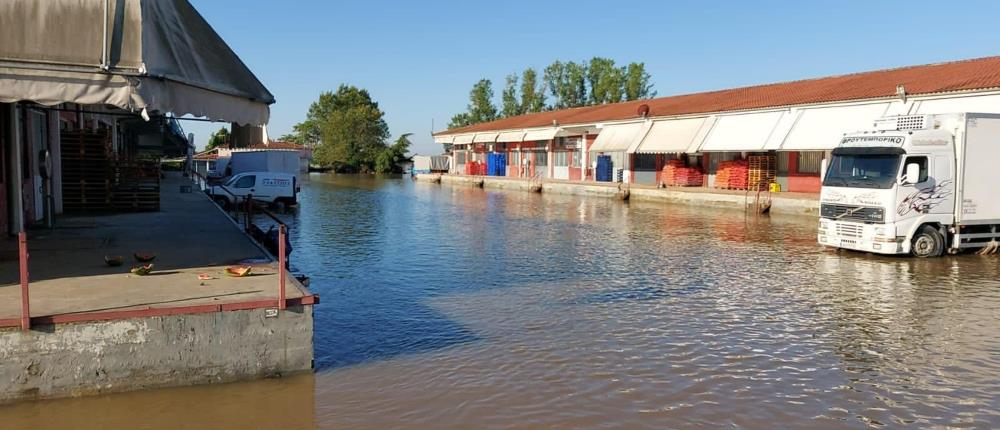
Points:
x=98 y=329
x=189 y=236
x=781 y=203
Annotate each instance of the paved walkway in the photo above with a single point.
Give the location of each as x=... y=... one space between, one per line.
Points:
x=189 y=236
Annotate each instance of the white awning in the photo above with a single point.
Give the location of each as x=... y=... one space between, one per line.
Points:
x=158 y=57
x=820 y=129
x=463 y=139
x=445 y=139
x=744 y=132
x=511 y=136
x=618 y=137
x=485 y=138
x=541 y=134
x=672 y=136
x=983 y=104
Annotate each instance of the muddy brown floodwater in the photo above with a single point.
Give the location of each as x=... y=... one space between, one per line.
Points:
x=447 y=307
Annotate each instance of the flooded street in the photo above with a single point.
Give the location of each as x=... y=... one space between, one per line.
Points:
x=450 y=307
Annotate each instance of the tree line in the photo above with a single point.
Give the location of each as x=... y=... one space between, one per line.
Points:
x=569 y=84
x=348 y=133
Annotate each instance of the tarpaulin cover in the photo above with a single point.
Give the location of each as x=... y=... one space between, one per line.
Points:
x=159 y=55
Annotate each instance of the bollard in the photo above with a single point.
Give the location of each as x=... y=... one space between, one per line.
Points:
x=282 y=262
x=22 y=245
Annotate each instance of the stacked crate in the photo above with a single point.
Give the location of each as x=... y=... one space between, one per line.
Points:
x=675 y=174
x=136 y=186
x=732 y=175
x=86 y=171
x=763 y=170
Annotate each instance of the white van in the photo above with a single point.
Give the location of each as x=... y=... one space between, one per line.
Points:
x=266 y=187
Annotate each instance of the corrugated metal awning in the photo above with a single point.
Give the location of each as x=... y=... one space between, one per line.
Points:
x=672 y=136
x=744 y=132
x=463 y=139
x=485 y=137
x=511 y=136
x=820 y=129
x=618 y=137
x=445 y=139
x=981 y=104
x=541 y=134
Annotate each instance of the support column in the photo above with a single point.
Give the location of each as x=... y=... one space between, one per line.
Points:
x=14 y=160
x=551 y=162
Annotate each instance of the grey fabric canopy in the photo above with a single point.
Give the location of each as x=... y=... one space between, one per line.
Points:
x=157 y=56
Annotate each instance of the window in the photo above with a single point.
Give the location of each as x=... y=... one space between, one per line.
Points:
x=862 y=171
x=460 y=157
x=576 y=159
x=245 y=182
x=783 y=158
x=541 y=159
x=560 y=159
x=920 y=161
x=644 y=162
x=810 y=162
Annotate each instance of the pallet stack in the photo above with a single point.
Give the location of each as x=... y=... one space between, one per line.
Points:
x=732 y=175
x=675 y=174
x=86 y=171
x=763 y=170
x=136 y=186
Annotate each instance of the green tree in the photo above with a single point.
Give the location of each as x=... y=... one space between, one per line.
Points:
x=532 y=93
x=568 y=84
x=389 y=159
x=480 y=108
x=460 y=120
x=637 y=82
x=606 y=81
x=352 y=129
x=219 y=139
x=511 y=105
x=291 y=137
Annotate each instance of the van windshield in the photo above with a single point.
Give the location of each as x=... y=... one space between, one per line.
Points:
x=862 y=171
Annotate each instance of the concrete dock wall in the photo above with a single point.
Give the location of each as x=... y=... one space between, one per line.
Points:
x=79 y=359
x=700 y=197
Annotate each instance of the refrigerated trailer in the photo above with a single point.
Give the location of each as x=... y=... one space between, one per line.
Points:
x=917 y=184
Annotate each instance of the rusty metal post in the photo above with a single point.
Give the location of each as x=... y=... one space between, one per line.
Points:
x=247 y=209
x=282 y=262
x=22 y=245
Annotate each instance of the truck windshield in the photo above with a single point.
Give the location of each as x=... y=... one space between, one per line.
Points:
x=862 y=171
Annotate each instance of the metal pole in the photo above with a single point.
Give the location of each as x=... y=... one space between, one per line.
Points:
x=282 y=261
x=22 y=244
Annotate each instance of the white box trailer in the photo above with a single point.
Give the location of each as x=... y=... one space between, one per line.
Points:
x=265 y=160
x=917 y=184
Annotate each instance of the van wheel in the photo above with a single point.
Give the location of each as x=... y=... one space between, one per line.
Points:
x=222 y=202
x=928 y=242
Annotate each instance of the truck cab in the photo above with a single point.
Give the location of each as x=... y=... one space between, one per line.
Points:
x=266 y=187
x=892 y=189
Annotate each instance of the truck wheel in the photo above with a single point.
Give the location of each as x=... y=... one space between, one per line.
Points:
x=928 y=242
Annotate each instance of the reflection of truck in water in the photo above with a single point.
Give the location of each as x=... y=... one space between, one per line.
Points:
x=918 y=184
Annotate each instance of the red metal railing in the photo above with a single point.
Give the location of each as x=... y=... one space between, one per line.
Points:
x=22 y=250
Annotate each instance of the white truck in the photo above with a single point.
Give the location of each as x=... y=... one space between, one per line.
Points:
x=266 y=187
x=918 y=184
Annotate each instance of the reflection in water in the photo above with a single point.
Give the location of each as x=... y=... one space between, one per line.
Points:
x=453 y=307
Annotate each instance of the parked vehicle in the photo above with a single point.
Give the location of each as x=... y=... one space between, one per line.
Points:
x=266 y=187
x=240 y=161
x=918 y=184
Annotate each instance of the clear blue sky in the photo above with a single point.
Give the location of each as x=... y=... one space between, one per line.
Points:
x=419 y=59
